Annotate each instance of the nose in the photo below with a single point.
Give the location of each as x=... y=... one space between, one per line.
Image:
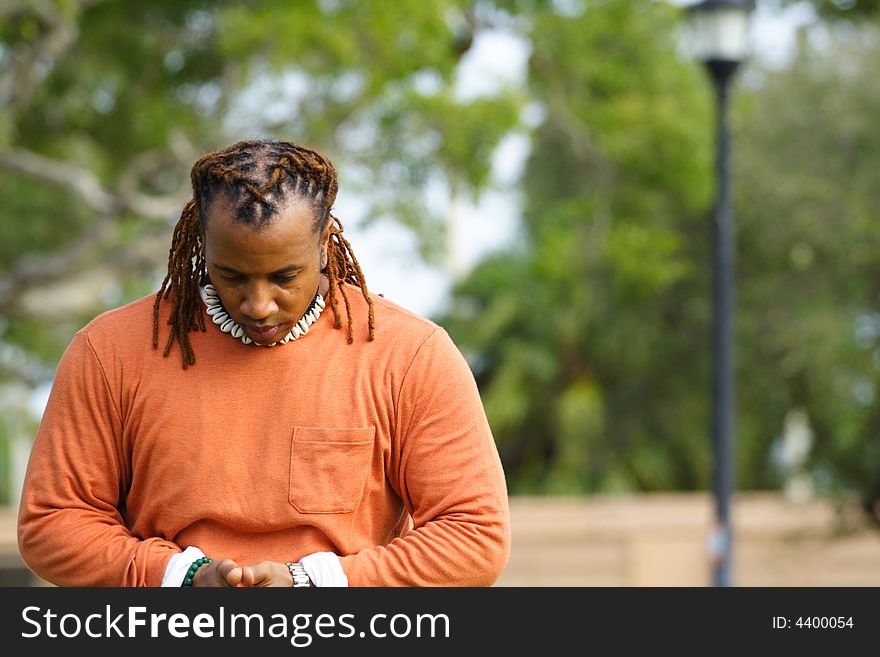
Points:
x=258 y=304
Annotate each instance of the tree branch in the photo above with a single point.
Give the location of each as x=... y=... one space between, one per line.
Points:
x=83 y=183
x=26 y=291
x=36 y=271
x=88 y=188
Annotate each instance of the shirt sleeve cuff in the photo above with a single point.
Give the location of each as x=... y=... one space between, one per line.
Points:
x=324 y=569
x=177 y=566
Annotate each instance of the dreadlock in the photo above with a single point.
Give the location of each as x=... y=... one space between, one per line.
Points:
x=255 y=176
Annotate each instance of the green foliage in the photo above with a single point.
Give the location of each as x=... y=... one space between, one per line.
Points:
x=809 y=245
x=24 y=199
x=846 y=9
x=120 y=89
x=586 y=345
x=589 y=338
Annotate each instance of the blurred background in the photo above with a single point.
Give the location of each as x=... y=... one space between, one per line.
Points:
x=537 y=177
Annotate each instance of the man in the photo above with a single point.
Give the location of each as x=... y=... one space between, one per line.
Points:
x=291 y=452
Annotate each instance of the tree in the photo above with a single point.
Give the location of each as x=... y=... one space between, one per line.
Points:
x=586 y=342
x=806 y=193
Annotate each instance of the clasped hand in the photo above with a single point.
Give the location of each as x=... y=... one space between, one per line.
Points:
x=228 y=573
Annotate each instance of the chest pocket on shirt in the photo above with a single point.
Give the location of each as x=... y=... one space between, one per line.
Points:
x=329 y=468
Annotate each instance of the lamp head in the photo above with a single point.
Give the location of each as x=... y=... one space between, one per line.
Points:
x=719 y=28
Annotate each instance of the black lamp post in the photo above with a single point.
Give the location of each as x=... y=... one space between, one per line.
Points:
x=719 y=28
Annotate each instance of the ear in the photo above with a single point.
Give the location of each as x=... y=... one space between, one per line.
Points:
x=325 y=241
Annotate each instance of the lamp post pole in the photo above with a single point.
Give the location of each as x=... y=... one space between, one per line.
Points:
x=723 y=385
x=720 y=30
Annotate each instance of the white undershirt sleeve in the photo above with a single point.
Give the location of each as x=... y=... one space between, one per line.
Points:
x=324 y=569
x=177 y=566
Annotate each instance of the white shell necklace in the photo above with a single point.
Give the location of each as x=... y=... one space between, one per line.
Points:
x=228 y=325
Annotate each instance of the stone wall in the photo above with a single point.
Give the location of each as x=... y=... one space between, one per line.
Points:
x=662 y=540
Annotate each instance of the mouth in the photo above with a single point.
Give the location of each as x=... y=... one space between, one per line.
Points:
x=263 y=333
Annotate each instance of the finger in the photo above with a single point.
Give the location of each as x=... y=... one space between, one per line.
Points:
x=233 y=577
x=213 y=574
x=261 y=572
x=247 y=576
x=229 y=572
x=270 y=573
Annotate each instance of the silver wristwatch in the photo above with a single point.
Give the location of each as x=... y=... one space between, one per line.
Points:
x=298 y=573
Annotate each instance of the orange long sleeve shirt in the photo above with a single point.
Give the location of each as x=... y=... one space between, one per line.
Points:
x=265 y=453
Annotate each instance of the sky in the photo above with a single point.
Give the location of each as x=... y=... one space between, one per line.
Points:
x=387 y=252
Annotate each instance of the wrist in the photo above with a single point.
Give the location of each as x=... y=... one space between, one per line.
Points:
x=193 y=569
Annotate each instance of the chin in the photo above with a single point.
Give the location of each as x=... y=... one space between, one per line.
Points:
x=263 y=338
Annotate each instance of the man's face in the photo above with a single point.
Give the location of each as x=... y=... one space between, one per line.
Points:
x=265 y=276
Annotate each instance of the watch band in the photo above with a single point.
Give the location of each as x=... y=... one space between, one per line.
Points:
x=299 y=575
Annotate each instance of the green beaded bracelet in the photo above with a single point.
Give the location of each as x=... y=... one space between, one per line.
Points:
x=191 y=573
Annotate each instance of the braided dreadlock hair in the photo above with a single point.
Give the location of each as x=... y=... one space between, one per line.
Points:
x=256 y=176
